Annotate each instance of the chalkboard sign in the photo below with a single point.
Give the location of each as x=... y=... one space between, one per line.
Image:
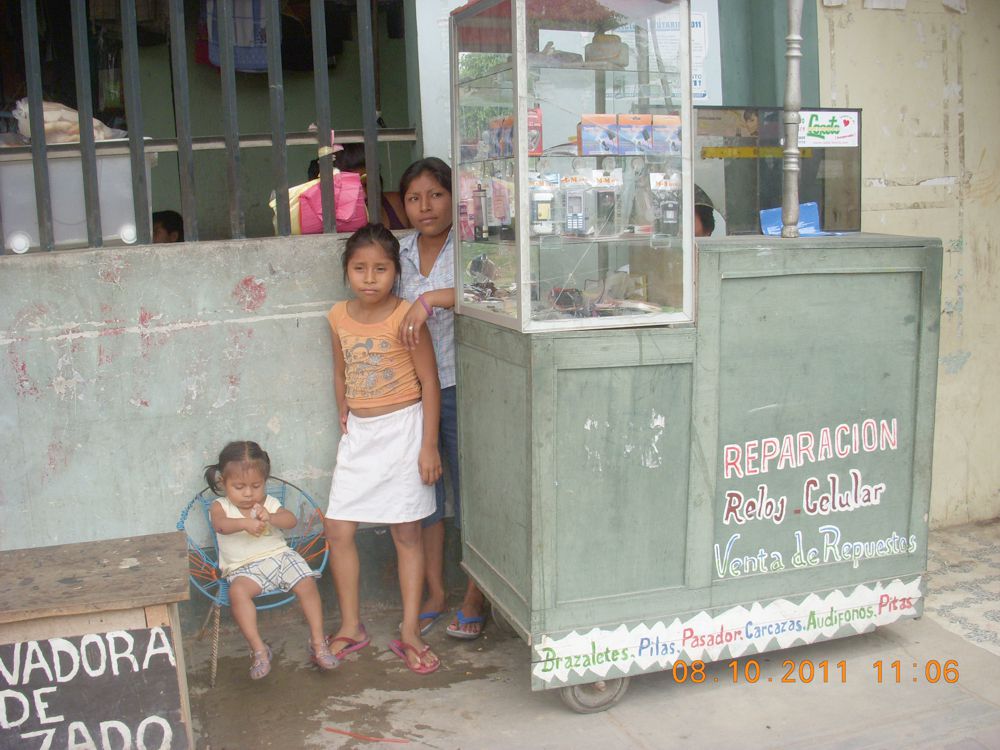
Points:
x=105 y=691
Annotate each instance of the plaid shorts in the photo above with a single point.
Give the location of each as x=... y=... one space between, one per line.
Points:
x=278 y=573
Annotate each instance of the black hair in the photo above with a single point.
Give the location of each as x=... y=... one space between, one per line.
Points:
x=350 y=159
x=431 y=165
x=244 y=452
x=170 y=221
x=707 y=216
x=372 y=234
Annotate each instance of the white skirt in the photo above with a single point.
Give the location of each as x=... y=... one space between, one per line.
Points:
x=377 y=477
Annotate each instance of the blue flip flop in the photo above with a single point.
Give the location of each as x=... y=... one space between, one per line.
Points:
x=463 y=620
x=433 y=616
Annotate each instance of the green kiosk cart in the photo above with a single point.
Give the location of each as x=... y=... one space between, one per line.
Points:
x=671 y=450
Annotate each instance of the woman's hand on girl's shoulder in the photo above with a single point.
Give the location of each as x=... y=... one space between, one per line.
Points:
x=409 y=328
x=429 y=463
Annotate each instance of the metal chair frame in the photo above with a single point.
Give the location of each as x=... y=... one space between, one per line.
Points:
x=307 y=538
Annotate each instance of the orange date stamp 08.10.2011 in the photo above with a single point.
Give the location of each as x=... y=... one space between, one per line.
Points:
x=807 y=671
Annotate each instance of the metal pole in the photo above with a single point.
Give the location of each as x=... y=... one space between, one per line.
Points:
x=276 y=85
x=321 y=84
x=793 y=103
x=133 y=115
x=36 y=117
x=230 y=116
x=182 y=120
x=85 y=112
x=369 y=117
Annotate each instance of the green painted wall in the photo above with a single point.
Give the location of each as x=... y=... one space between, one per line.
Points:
x=753 y=53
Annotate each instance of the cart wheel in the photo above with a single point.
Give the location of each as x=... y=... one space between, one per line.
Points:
x=595 y=696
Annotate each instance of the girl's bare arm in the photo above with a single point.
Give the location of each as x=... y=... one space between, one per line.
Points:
x=430 y=387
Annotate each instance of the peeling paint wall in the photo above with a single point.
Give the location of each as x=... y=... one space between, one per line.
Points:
x=928 y=80
x=126 y=370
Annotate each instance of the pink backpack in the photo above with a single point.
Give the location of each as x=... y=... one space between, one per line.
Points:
x=349 y=205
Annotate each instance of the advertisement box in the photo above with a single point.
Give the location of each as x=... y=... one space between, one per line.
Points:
x=535 y=131
x=635 y=134
x=667 y=134
x=597 y=135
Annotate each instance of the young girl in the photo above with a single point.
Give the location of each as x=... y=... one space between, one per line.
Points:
x=387 y=461
x=253 y=554
x=428 y=280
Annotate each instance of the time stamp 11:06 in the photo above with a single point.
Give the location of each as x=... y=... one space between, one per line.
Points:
x=807 y=671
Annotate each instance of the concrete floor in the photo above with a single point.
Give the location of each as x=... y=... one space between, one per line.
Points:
x=481 y=698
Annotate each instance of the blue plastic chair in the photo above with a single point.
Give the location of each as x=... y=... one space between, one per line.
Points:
x=306 y=538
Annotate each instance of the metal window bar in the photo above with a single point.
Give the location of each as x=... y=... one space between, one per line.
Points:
x=182 y=120
x=133 y=113
x=185 y=144
x=227 y=64
x=275 y=84
x=85 y=112
x=368 y=114
x=210 y=143
x=321 y=85
x=36 y=119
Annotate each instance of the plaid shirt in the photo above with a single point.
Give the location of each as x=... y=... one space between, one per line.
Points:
x=442 y=276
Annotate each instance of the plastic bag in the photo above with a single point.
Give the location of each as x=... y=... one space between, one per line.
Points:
x=348 y=204
x=62 y=124
x=305 y=205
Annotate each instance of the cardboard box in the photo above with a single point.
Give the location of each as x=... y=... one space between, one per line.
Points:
x=597 y=135
x=635 y=134
x=501 y=136
x=667 y=135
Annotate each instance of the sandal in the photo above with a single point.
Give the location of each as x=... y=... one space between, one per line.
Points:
x=322 y=657
x=455 y=630
x=350 y=644
x=260 y=663
x=399 y=648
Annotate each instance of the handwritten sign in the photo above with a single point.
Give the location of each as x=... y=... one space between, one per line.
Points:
x=836 y=484
x=742 y=629
x=104 y=691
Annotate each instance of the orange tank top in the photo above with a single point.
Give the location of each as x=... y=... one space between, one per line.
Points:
x=378 y=369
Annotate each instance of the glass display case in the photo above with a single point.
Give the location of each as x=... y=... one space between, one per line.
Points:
x=572 y=186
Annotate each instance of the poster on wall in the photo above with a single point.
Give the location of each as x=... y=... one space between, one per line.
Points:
x=706 y=84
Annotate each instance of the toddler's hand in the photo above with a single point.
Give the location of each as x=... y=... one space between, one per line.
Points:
x=259 y=512
x=429 y=464
x=254 y=526
x=409 y=329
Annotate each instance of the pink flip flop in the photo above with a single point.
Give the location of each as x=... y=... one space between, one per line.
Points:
x=399 y=648
x=352 y=644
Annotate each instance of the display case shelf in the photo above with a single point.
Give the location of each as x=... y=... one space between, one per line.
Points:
x=572 y=178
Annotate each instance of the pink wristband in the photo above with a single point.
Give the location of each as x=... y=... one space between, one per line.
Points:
x=427 y=307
